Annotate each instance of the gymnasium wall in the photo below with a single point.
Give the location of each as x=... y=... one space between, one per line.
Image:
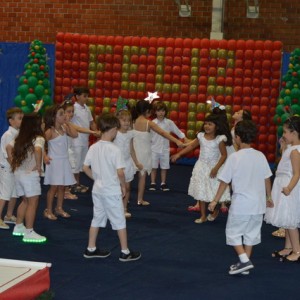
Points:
x=24 y=21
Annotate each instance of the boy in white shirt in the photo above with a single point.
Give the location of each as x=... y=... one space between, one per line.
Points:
x=160 y=146
x=8 y=193
x=104 y=164
x=82 y=118
x=249 y=174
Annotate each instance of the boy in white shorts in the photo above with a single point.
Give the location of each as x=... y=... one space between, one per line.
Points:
x=82 y=118
x=104 y=164
x=8 y=194
x=249 y=174
x=160 y=146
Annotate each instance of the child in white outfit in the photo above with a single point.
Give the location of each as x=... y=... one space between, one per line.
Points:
x=160 y=146
x=104 y=164
x=249 y=174
x=7 y=180
x=286 y=191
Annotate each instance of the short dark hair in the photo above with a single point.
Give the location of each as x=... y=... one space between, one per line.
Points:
x=79 y=90
x=161 y=106
x=11 y=112
x=246 y=130
x=108 y=121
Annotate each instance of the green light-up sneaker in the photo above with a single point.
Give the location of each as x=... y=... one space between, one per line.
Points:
x=19 y=230
x=33 y=237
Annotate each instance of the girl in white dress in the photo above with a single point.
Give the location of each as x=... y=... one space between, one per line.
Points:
x=124 y=141
x=142 y=142
x=286 y=191
x=58 y=172
x=204 y=182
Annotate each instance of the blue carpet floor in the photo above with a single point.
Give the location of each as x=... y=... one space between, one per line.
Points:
x=180 y=259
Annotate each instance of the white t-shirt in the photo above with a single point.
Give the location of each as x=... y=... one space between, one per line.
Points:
x=247 y=170
x=105 y=159
x=6 y=138
x=160 y=144
x=83 y=118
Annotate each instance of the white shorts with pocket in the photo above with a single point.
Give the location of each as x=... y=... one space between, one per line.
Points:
x=7 y=184
x=110 y=208
x=161 y=159
x=243 y=229
x=79 y=155
x=28 y=183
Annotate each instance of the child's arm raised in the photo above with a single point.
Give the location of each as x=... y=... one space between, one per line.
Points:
x=85 y=130
x=165 y=134
x=295 y=160
x=70 y=130
x=191 y=146
x=215 y=169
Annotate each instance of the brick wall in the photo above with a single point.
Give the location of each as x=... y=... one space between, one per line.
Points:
x=24 y=21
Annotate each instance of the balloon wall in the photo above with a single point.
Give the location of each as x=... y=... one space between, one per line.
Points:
x=186 y=72
x=34 y=84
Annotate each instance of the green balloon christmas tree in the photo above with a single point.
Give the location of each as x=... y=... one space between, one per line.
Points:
x=34 y=85
x=289 y=98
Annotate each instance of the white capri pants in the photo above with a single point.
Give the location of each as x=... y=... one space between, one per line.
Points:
x=79 y=155
x=243 y=229
x=7 y=184
x=108 y=207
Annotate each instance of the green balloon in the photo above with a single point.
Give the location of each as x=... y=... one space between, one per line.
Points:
x=280 y=109
x=287 y=100
x=280 y=130
x=21 y=80
x=35 y=68
x=295 y=109
x=289 y=85
x=284 y=117
x=39 y=91
x=277 y=120
x=295 y=93
x=28 y=73
x=47 y=100
x=23 y=90
x=18 y=100
x=32 y=81
x=46 y=83
x=31 y=99
x=41 y=75
x=27 y=110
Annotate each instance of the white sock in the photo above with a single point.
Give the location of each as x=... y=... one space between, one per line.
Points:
x=92 y=249
x=126 y=251
x=19 y=225
x=243 y=258
x=162 y=183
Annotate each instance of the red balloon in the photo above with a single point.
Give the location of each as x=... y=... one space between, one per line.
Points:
x=249 y=54
x=204 y=53
x=169 y=51
x=170 y=42
x=264 y=102
x=264 y=110
x=268 y=45
x=161 y=42
x=259 y=45
x=153 y=41
x=223 y=44
x=183 y=106
x=205 y=43
x=241 y=44
x=136 y=41
x=250 y=44
x=238 y=91
x=228 y=100
x=231 y=45
x=247 y=91
x=186 y=52
x=239 y=54
x=214 y=44
x=277 y=45
x=255 y=101
x=187 y=43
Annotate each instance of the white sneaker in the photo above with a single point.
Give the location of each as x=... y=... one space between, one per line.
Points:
x=33 y=237
x=19 y=230
x=3 y=225
x=10 y=220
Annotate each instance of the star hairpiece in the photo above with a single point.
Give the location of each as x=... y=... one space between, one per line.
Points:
x=215 y=104
x=152 y=96
x=38 y=105
x=122 y=104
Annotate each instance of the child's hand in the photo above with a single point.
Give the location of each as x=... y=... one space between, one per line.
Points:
x=139 y=166
x=97 y=134
x=174 y=157
x=212 y=205
x=47 y=159
x=213 y=173
x=270 y=203
x=186 y=141
x=286 y=191
x=180 y=144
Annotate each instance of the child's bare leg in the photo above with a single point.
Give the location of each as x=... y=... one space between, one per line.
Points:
x=141 y=189
x=2 y=204
x=122 y=234
x=50 y=197
x=31 y=211
x=21 y=211
x=287 y=245
x=153 y=175
x=248 y=250
x=294 y=239
x=203 y=210
x=163 y=175
x=243 y=252
x=60 y=197
x=10 y=207
x=126 y=200
x=93 y=233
